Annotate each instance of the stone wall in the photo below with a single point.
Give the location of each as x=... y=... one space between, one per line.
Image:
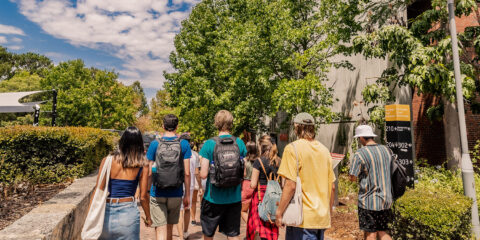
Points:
x=61 y=217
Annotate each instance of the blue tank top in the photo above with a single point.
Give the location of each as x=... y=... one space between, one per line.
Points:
x=120 y=188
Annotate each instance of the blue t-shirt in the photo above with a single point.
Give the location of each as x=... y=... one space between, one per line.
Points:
x=221 y=195
x=151 y=153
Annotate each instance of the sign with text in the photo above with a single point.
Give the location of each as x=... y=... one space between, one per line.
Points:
x=399 y=136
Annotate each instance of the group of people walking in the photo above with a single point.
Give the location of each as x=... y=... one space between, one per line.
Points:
x=236 y=182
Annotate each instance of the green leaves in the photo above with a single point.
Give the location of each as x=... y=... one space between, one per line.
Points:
x=92 y=97
x=256 y=57
x=50 y=155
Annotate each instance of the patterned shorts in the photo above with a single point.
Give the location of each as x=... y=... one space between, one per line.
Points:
x=374 y=221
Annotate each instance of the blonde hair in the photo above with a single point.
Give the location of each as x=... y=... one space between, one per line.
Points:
x=224 y=120
x=269 y=150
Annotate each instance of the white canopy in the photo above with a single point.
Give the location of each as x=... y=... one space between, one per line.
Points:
x=9 y=102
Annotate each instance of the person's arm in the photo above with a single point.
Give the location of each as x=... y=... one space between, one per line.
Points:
x=254 y=179
x=287 y=195
x=150 y=173
x=187 y=182
x=144 y=193
x=355 y=167
x=332 y=198
x=204 y=165
x=199 y=180
x=102 y=186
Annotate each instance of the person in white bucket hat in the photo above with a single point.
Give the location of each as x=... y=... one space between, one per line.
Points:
x=371 y=167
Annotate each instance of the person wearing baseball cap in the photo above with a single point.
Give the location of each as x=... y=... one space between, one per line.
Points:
x=313 y=160
x=371 y=167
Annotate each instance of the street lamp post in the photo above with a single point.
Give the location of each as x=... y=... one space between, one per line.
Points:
x=466 y=162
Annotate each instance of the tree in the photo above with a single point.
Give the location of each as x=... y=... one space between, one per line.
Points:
x=90 y=97
x=140 y=99
x=422 y=60
x=21 y=81
x=256 y=58
x=11 y=63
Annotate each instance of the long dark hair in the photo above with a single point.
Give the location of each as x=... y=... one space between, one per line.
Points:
x=252 y=151
x=130 y=151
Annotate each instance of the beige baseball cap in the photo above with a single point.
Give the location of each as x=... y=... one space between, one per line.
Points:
x=304 y=118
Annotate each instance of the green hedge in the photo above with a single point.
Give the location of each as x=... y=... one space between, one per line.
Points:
x=50 y=154
x=425 y=214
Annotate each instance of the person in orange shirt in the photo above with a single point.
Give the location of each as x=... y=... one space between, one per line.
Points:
x=317 y=178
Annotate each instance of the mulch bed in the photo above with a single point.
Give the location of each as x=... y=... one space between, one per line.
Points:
x=23 y=199
x=345 y=220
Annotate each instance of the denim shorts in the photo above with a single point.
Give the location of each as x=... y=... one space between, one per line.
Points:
x=295 y=233
x=122 y=221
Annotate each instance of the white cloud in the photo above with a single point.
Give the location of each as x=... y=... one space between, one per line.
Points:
x=139 y=32
x=6 y=29
x=14 y=47
x=16 y=39
x=3 y=39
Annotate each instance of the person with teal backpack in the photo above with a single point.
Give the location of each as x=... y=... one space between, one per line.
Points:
x=261 y=217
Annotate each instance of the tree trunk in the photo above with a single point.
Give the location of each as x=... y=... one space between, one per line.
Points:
x=452 y=135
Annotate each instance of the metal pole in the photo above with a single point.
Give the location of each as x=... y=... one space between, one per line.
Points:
x=36 y=115
x=54 y=108
x=466 y=162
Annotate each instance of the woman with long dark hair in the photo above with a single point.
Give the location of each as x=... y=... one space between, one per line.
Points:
x=122 y=218
x=247 y=192
x=264 y=168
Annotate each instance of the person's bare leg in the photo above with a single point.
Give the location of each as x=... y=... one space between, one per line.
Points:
x=169 y=231
x=186 y=222
x=371 y=235
x=161 y=232
x=194 y=205
x=384 y=236
x=245 y=207
x=180 y=225
x=234 y=238
x=207 y=238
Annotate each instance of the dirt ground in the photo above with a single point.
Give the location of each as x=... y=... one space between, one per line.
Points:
x=24 y=198
x=345 y=220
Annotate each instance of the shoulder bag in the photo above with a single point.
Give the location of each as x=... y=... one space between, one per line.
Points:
x=92 y=229
x=293 y=215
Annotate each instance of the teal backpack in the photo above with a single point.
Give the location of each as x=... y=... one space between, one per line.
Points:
x=269 y=204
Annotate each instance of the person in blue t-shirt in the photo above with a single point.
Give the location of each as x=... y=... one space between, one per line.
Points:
x=165 y=203
x=221 y=207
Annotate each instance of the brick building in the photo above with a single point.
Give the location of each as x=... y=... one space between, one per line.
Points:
x=430 y=135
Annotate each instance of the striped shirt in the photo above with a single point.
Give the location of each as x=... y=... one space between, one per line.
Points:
x=371 y=165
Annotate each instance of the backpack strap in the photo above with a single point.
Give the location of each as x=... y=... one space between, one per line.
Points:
x=263 y=167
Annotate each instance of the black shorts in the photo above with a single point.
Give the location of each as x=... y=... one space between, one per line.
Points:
x=374 y=221
x=225 y=216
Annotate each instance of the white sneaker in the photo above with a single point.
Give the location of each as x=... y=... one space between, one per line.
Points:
x=185 y=235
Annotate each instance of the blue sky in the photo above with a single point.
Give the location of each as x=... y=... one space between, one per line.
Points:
x=132 y=37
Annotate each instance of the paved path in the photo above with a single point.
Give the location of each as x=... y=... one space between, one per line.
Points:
x=195 y=231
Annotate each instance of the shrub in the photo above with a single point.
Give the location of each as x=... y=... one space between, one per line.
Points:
x=425 y=214
x=50 y=154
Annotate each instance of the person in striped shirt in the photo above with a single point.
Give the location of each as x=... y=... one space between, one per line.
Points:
x=371 y=167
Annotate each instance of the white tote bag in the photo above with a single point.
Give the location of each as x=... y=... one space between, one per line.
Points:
x=92 y=229
x=293 y=215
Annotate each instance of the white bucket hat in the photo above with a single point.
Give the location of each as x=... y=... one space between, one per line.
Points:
x=364 y=131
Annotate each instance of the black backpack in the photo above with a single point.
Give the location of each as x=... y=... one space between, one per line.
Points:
x=227 y=169
x=170 y=172
x=398 y=177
